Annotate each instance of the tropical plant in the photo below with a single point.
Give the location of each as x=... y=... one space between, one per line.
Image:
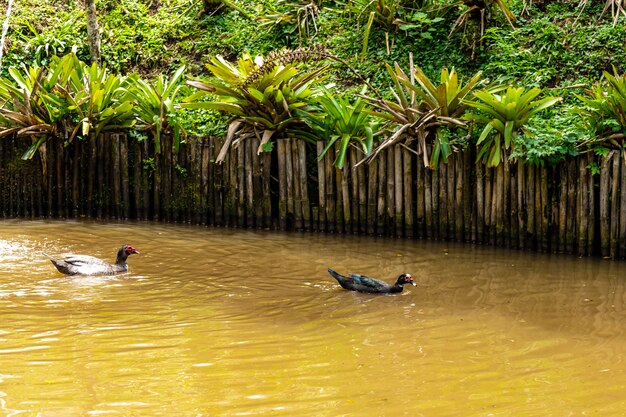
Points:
x=31 y=107
x=339 y=121
x=425 y=111
x=64 y=100
x=604 y=111
x=262 y=95
x=96 y=98
x=156 y=105
x=502 y=118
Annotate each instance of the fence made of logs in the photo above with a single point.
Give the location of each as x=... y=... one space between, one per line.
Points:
x=560 y=209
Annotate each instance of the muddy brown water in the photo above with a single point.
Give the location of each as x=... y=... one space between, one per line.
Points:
x=219 y=322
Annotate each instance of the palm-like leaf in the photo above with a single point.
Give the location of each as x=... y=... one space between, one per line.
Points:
x=339 y=121
x=502 y=117
x=422 y=108
x=156 y=105
x=261 y=95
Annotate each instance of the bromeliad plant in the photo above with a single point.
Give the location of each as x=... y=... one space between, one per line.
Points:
x=425 y=111
x=502 y=117
x=96 y=97
x=64 y=100
x=339 y=121
x=262 y=95
x=604 y=112
x=30 y=105
x=156 y=105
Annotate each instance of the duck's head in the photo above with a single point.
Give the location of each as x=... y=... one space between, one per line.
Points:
x=406 y=279
x=129 y=250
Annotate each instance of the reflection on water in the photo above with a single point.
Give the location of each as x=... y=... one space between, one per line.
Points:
x=218 y=322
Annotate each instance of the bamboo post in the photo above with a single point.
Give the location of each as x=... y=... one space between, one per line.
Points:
x=398 y=220
x=115 y=174
x=101 y=142
x=60 y=180
x=321 y=188
x=451 y=199
x=435 y=187
x=506 y=204
x=488 y=201
x=544 y=209
x=622 y=212
x=297 y=186
x=593 y=188
x=429 y=198
x=166 y=170
x=420 y=198
x=282 y=184
x=355 y=185
x=207 y=210
x=361 y=172
x=219 y=184
x=372 y=196
x=250 y=147
x=514 y=216
x=570 y=210
x=289 y=181
x=407 y=171
x=76 y=169
x=331 y=215
x=443 y=201
x=522 y=212
x=382 y=184
x=530 y=207
x=459 y=214
x=583 y=225
x=258 y=202
x=605 y=230
x=137 y=180
x=615 y=198
x=390 y=198
x=563 y=201
x=266 y=176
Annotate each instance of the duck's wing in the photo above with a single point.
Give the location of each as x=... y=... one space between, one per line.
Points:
x=85 y=261
x=368 y=282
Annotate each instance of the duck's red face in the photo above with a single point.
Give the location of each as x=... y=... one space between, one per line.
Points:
x=130 y=250
x=409 y=279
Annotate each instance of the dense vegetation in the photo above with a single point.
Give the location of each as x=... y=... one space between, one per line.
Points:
x=537 y=81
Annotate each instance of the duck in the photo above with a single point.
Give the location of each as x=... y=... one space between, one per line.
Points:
x=90 y=265
x=361 y=283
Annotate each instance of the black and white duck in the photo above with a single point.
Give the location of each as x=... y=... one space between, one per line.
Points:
x=90 y=265
x=361 y=283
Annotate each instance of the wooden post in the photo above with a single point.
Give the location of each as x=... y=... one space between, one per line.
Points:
x=583 y=224
x=304 y=189
x=372 y=196
x=615 y=211
x=399 y=195
x=605 y=230
x=282 y=184
x=409 y=221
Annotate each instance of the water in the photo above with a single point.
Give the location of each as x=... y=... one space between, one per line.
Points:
x=218 y=322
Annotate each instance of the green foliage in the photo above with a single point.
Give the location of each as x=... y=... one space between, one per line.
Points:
x=425 y=110
x=339 y=121
x=604 y=111
x=550 y=138
x=262 y=95
x=156 y=105
x=502 y=118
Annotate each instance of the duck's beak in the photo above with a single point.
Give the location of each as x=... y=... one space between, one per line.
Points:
x=413 y=283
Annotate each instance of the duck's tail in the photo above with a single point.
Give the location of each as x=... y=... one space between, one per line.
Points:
x=336 y=274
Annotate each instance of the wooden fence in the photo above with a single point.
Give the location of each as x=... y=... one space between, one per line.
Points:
x=562 y=209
